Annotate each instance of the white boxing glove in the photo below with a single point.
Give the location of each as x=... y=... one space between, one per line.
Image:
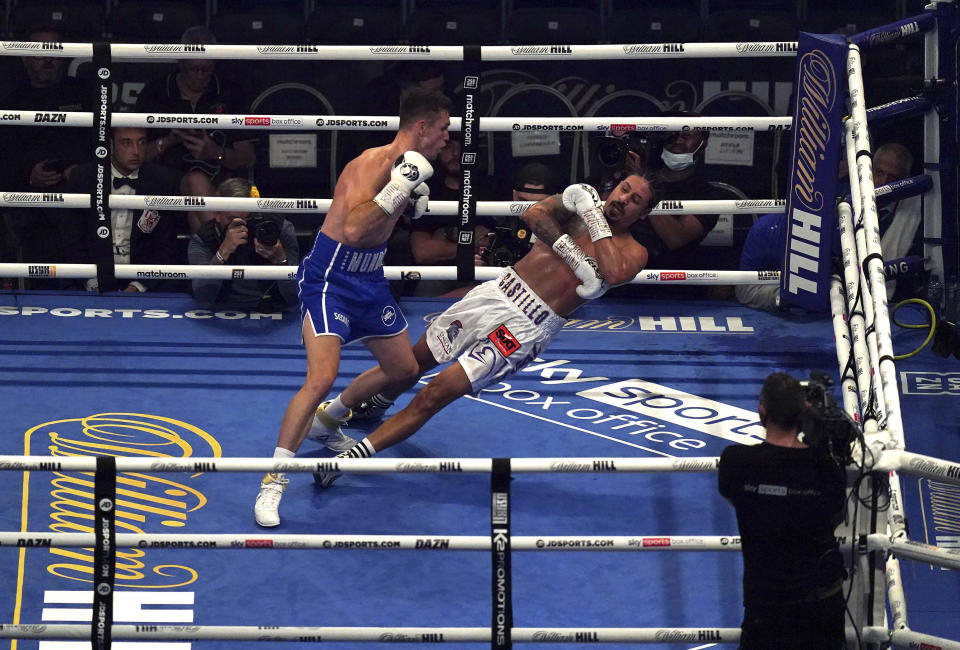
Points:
x=409 y=170
x=584 y=267
x=420 y=197
x=584 y=200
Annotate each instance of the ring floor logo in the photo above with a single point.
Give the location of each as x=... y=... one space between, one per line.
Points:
x=54 y=584
x=634 y=412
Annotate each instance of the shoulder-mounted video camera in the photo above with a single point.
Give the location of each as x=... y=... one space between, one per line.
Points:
x=825 y=425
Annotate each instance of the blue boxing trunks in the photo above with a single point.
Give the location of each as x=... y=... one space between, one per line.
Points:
x=343 y=290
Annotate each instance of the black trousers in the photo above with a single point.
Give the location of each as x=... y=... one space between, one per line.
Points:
x=817 y=625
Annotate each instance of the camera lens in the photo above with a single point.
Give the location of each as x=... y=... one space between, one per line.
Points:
x=266 y=231
x=611 y=152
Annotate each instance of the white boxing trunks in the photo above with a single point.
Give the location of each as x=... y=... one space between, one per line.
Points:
x=495 y=330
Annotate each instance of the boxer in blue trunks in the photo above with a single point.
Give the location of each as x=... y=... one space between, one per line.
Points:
x=344 y=296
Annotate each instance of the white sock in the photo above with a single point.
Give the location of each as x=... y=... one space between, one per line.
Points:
x=280 y=452
x=336 y=409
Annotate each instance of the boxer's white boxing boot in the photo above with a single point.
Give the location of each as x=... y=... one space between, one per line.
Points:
x=266 y=510
x=326 y=430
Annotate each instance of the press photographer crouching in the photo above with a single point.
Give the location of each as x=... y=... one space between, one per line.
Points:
x=245 y=239
x=789 y=494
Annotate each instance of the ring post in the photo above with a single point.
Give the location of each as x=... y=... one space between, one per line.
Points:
x=502 y=611
x=468 y=159
x=811 y=216
x=104 y=552
x=101 y=222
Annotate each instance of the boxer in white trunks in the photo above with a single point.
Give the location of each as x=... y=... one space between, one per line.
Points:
x=583 y=247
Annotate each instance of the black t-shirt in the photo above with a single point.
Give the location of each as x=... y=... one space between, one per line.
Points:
x=432 y=222
x=221 y=98
x=693 y=188
x=28 y=145
x=788 y=503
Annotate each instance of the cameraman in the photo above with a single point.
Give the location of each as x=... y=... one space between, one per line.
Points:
x=245 y=239
x=789 y=498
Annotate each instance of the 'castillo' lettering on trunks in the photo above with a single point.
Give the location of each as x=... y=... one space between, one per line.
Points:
x=513 y=288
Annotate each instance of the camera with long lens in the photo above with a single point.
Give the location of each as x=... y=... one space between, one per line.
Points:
x=264 y=228
x=825 y=425
x=507 y=244
x=610 y=151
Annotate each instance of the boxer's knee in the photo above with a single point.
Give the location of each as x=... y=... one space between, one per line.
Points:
x=433 y=397
x=317 y=386
x=405 y=371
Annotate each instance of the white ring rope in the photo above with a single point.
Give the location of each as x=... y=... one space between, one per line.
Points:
x=581 y=635
x=222 y=272
x=432 y=542
x=383 y=634
x=571 y=465
x=914 y=550
x=285 y=122
x=888 y=460
x=321 y=206
x=165 y=52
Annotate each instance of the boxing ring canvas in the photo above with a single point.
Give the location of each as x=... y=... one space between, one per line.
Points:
x=156 y=375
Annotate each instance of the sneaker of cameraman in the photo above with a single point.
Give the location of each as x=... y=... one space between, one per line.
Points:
x=245 y=239
x=789 y=499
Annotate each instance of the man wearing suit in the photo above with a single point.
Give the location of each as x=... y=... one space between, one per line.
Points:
x=139 y=236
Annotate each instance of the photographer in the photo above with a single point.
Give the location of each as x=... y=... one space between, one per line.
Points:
x=245 y=239
x=789 y=498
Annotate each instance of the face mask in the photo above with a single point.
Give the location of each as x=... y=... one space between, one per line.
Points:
x=677 y=161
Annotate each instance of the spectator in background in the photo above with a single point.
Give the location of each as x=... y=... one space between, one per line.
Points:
x=433 y=238
x=900 y=234
x=245 y=239
x=512 y=238
x=447 y=177
x=672 y=239
x=141 y=236
x=39 y=158
x=899 y=221
x=205 y=157
x=533 y=182
x=381 y=96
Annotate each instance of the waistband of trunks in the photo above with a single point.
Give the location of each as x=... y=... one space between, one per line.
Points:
x=348 y=259
x=525 y=301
